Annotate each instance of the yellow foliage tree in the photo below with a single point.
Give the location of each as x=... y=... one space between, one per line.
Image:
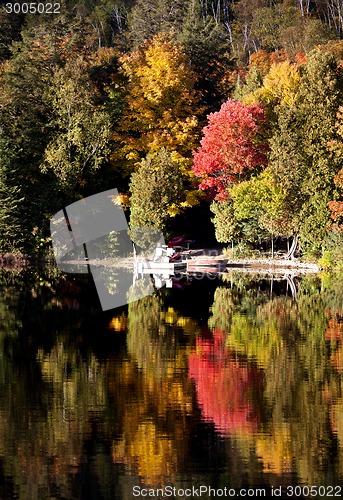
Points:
x=280 y=86
x=161 y=104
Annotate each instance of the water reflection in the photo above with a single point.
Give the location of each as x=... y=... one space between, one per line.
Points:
x=155 y=434
x=229 y=382
x=227 y=387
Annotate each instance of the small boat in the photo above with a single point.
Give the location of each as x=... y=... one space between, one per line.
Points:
x=148 y=266
x=165 y=260
x=176 y=241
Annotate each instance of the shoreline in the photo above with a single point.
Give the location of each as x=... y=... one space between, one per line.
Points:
x=274 y=264
x=221 y=263
x=215 y=256
x=200 y=258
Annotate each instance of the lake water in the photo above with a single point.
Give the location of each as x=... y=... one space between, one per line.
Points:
x=233 y=383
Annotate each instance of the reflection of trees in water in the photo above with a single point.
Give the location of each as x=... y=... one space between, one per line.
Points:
x=147 y=451
x=149 y=340
x=159 y=398
x=268 y=377
x=334 y=391
x=157 y=337
x=288 y=340
x=262 y=335
x=42 y=447
x=146 y=418
x=49 y=393
x=225 y=386
x=109 y=280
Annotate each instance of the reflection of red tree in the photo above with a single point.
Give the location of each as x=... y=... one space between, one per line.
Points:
x=335 y=327
x=226 y=387
x=334 y=334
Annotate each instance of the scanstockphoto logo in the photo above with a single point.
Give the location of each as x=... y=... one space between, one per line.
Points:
x=92 y=235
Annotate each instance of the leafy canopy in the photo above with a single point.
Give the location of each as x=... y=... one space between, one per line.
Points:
x=157 y=190
x=161 y=105
x=82 y=130
x=230 y=148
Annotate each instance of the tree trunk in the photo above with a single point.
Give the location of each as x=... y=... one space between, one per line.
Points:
x=290 y=254
x=292 y=287
x=272 y=247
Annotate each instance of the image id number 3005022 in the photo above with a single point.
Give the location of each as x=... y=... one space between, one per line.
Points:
x=312 y=491
x=33 y=8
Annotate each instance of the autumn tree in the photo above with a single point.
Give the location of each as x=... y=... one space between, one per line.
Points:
x=336 y=206
x=318 y=100
x=260 y=25
x=199 y=26
x=278 y=93
x=279 y=86
x=260 y=206
x=156 y=190
x=82 y=129
x=227 y=228
x=27 y=119
x=161 y=105
x=263 y=60
x=271 y=78
x=300 y=154
x=298 y=101
x=231 y=147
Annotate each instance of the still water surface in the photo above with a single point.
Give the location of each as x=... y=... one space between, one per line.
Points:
x=232 y=382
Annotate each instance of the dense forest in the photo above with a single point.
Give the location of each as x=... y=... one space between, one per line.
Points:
x=232 y=106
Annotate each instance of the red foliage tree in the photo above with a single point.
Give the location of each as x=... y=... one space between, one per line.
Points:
x=230 y=147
